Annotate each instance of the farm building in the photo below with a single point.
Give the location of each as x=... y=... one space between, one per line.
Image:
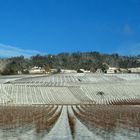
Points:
x=68 y=71
x=135 y=70
x=84 y=71
x=124 y=70
x=53 y=70
x=113 y=70
x=37 y=70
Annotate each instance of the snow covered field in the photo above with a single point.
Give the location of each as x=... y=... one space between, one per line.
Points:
x=71 y=89
x=70 y=107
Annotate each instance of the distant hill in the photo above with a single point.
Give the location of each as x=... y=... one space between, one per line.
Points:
x=77 y=60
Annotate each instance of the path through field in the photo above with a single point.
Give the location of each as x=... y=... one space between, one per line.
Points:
x=61 y=130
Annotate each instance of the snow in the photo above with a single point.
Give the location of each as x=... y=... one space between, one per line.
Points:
x=61 y=130
x=82 y=132
x=68 y=90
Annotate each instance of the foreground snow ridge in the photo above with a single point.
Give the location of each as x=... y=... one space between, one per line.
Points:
x=66 y=122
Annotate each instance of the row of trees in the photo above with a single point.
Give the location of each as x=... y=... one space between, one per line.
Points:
x=85 y=60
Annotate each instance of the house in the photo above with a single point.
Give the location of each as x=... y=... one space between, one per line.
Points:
x=68 y=71
x=19 y=72
x=112 y=70
x=134 y=70
x=53 y=70
x=124 y=70
x=83 y=71
x=37 y=70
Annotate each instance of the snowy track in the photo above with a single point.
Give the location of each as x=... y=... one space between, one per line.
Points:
x=61 y=130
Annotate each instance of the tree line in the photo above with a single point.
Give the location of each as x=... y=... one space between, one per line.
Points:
x=77 y=60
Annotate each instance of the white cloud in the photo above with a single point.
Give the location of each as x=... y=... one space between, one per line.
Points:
x=8 y=51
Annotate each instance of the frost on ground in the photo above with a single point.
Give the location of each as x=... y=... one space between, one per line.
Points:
x=71 y=89
x=70 y=107
x=91 y=122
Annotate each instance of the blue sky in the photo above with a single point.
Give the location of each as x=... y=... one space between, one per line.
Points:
x=52 y=26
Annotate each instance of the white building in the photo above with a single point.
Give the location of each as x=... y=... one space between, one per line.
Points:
x=68 y=71
x=134 y=70
x=53 y=70
x=84 y=71
x=113 y=70
x=37 y=70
